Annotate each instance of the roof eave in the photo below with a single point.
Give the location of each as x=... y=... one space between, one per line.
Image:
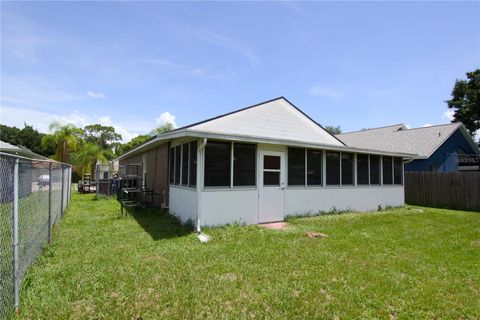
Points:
x=164 y=137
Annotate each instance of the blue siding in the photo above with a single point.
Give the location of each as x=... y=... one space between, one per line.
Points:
x=445 y=156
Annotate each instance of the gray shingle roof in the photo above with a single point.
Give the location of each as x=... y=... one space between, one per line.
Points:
x=397 y=138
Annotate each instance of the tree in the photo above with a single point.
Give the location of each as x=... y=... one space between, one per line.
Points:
x=333 y=130
x=135 y=142
x=101 y=135
x=167 y=126
x=64 y=138
x=466 y=102
x=87 y=156
x=27 y=137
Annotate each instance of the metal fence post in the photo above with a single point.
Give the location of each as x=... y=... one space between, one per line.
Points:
x=16 y=280
x=69 y=184
x=63 y=192
x=50 y=203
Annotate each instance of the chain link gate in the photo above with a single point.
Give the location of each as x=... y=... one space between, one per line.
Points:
x=33 y=196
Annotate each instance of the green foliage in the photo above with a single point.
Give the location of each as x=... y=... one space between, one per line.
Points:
x=103 y=136
x=27 y=137
x=397 y=264
x=333 y=130
x=87 y=156
x=65 y=138
x=162 y=129
x=466 y=101
x=135 y=142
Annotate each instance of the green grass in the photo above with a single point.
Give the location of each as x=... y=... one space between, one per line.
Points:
x=400 y=263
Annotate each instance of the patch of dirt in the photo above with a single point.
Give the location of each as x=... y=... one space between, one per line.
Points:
x=313 y=235
x=274 y=225
x=475 y=243
x=229 y=276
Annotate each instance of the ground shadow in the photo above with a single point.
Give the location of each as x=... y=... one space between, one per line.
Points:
x=159 y=224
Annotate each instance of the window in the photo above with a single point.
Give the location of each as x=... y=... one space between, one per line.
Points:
x=387 y=170
x=105 y=175
x=314 y=167
x=185 y=151
x=296 y=166
x=217 y=164
x=244 y=164
x=271 y=178
x=172 y=165
x=362 y=169
x=398 y=171
x=374 y=170
x=271 y=170
x=193 y=164
x=178 y=155
x=333 y=168
x=347 y=169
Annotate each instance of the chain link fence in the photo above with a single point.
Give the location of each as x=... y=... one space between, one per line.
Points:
x=33 y=197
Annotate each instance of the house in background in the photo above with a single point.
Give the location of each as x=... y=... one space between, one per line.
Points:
x=441 y=148
x=262 y=163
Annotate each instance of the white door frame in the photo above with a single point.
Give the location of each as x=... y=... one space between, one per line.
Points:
x=271 y=198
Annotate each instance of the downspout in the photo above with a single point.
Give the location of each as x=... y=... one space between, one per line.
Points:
x=200 y=181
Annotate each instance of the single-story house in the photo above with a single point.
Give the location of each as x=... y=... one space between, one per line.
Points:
x=262 y=163
x=440 y=148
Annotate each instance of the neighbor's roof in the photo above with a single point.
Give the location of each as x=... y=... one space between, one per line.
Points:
x=275 y=121
x=422 y=141
x=6 y=147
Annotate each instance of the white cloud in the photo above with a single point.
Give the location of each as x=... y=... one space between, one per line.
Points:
x=427 y=125
x=127 y=135
x=96 y=94
x=448 y=115
x=408 y=126
x=227 y=42
x=200 y=73
x=325 y=91
x=197 y=72
x=165 y=117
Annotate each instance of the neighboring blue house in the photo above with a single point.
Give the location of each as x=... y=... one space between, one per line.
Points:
x=441 y=148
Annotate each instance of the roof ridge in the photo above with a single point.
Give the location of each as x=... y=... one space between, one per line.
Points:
x=369 y=129
x=434 y=126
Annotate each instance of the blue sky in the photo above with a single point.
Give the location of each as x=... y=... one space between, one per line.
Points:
x=134 y=65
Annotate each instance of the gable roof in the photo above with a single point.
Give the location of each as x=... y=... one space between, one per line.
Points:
x=272 y=119
x=422 y=141
x=275 y=121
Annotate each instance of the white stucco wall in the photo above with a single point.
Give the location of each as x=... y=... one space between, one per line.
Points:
x=183 y=203
x=312 y=200
x=221 y=207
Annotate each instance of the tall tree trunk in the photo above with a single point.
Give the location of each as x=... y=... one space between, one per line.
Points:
x=64 y=152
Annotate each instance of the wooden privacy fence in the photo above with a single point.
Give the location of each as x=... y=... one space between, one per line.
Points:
x=454 y=190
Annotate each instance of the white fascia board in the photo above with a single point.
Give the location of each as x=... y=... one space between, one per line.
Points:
x=466 y=135
x=293 y=143
x=250 y=138
x=469 y=139
x=442 y=142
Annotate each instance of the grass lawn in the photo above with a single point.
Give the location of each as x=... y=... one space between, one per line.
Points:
x=402 y=263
